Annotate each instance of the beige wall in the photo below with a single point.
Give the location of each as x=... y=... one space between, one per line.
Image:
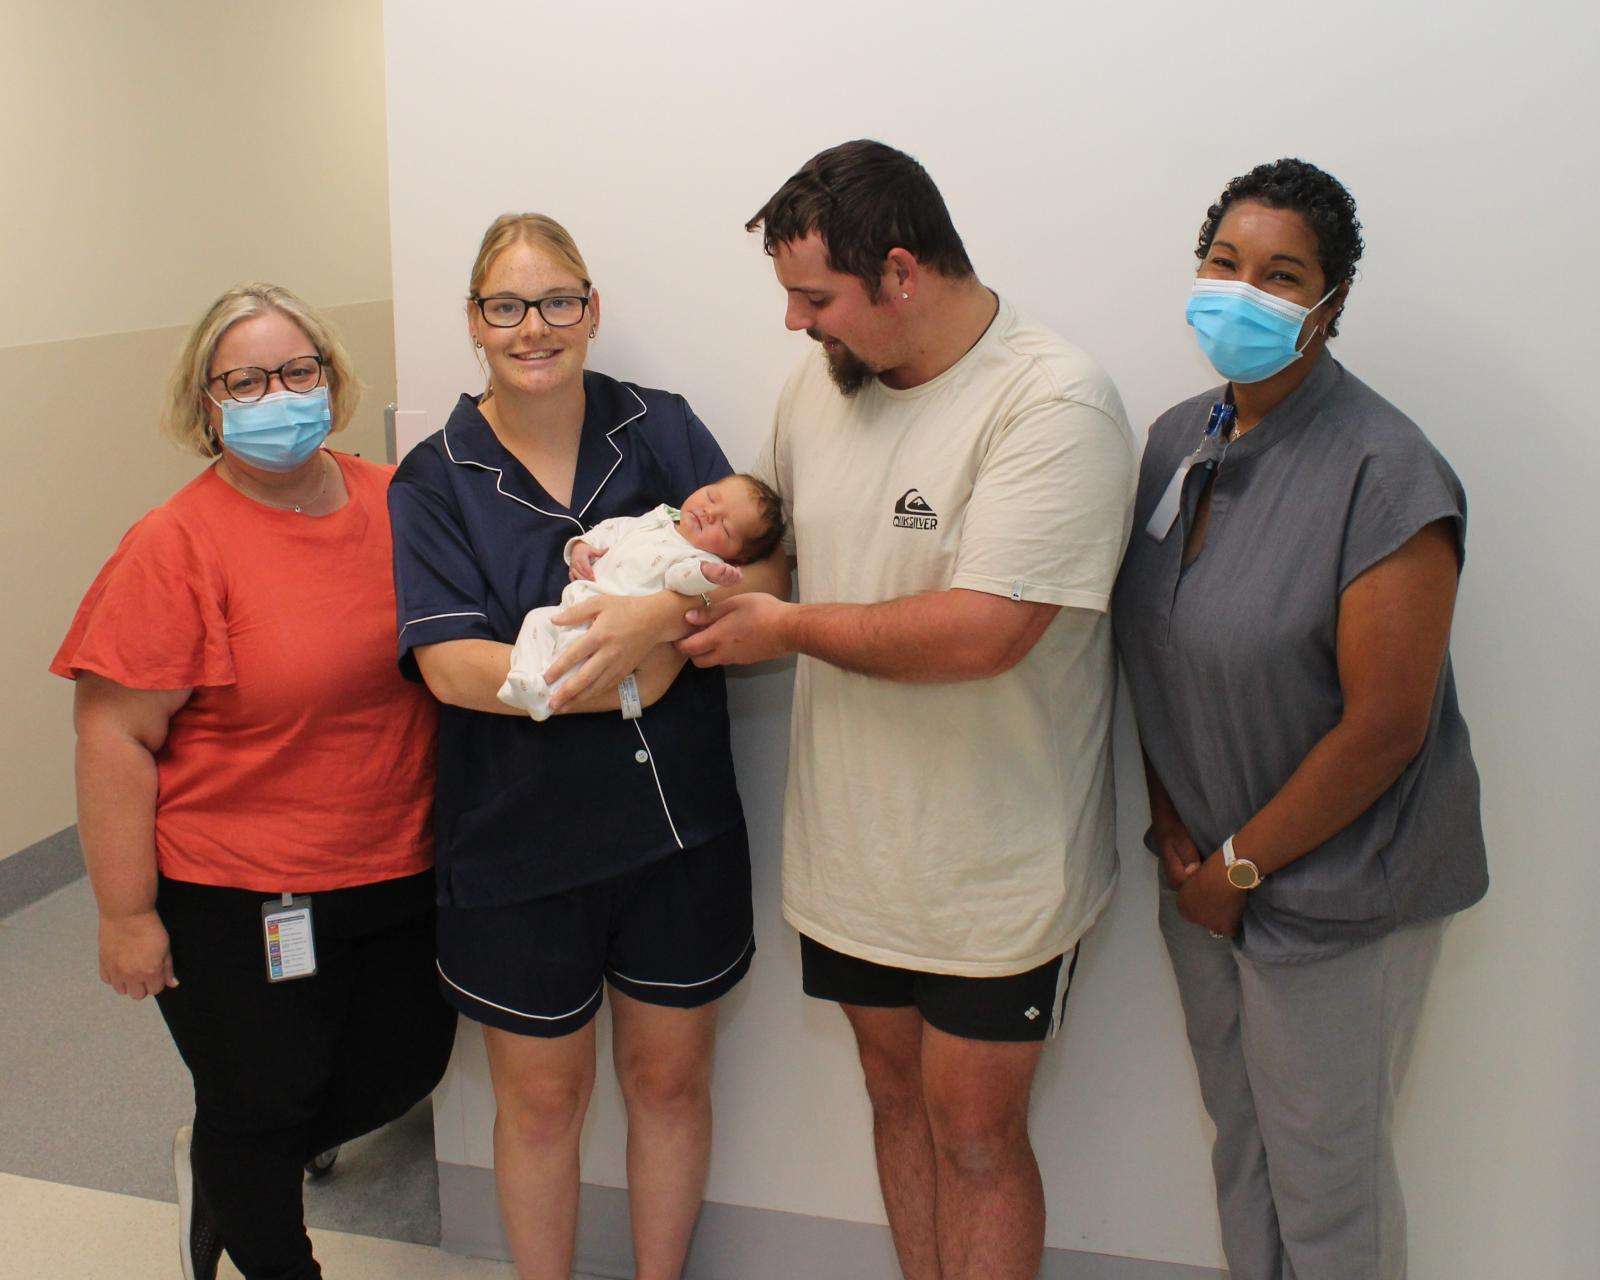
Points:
x=156 y=154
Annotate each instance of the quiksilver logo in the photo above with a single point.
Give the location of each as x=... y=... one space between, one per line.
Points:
x=913 y=512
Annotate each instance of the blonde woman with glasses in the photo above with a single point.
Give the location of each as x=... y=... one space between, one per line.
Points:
x=255 y=784
x=598 y=855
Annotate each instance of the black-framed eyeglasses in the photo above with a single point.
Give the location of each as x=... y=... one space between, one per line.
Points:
x=504 y=311
x=250 y=382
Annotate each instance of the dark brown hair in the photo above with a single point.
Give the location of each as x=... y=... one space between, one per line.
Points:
x=769 y=506
x=864 y=198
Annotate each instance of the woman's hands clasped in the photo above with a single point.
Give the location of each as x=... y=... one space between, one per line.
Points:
x=1180 y=856
x=622 y=630
x=1205 y=897
x=1208 y=900
x=135 y=956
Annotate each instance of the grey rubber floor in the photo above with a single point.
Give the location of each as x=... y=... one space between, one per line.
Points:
x=93 y=1088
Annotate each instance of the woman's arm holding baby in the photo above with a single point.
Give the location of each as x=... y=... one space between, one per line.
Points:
x=624 y=628
x=469 y=673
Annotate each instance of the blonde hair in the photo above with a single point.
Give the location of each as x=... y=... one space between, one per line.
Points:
x=537 y=229
x=186 y=418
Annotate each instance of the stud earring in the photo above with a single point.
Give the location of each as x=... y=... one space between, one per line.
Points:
x=905 y=297
x=479 y=345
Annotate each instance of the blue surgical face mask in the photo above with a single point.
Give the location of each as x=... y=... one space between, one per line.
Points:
x=279 y=431
x=1246 y=333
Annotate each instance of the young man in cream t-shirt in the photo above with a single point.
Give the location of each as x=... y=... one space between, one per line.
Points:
x=959 y=480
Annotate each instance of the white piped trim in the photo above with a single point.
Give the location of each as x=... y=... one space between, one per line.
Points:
x=538 y=1017
x=672 y=826
x=434 y=617
x=641 y=982
x=613 y=444
x=500 y=475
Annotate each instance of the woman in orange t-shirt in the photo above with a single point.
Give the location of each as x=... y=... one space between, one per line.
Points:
x=255 y=784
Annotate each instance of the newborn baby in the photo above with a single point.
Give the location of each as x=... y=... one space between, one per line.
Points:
x=690 y=551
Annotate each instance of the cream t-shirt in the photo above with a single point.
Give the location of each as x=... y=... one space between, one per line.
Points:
x=959 y=828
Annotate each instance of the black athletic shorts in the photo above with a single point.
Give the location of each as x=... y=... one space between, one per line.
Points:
x=1018 y=1007
x=676 y=932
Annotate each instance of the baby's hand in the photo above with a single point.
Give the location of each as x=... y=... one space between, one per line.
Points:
x=719 y=574
x=583 y=558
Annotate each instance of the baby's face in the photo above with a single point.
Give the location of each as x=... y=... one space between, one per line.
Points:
x=721 y=518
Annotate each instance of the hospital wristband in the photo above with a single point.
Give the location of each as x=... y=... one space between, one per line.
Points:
x=628 y=692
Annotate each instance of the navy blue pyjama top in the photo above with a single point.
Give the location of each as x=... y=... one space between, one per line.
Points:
x=526 y=809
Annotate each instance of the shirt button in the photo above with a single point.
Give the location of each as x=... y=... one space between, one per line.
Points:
x=641 y=755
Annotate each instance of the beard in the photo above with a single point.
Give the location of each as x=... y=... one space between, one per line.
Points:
x=848 y=370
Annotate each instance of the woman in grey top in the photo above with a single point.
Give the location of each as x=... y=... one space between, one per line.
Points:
x=1284 y=615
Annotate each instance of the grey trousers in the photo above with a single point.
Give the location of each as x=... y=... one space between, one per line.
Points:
x=1299 y=1065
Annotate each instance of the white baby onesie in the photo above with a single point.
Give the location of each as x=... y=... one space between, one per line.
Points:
x=643 y=555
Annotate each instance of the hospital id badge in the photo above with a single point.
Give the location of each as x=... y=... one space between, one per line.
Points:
x=291 y=950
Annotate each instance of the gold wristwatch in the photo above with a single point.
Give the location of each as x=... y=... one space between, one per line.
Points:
x=1241 y=872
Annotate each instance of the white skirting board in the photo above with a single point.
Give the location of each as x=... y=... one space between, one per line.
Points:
x=736 y=1243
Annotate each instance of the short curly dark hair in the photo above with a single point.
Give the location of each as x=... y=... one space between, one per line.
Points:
x=1315 y=195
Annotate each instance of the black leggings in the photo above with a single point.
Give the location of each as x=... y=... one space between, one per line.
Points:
x=284 y=1071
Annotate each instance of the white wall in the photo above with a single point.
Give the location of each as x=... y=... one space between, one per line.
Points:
x=1078 y=148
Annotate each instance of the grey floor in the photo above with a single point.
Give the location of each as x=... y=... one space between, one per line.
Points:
x=93 y=1088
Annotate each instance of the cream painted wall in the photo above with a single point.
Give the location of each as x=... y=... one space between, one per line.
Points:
x=155 y=155
x=1078 y=146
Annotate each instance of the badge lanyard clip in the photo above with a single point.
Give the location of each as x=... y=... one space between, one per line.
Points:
x=1213 y=444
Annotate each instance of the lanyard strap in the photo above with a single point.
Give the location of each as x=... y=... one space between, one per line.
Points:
x=1213 y=444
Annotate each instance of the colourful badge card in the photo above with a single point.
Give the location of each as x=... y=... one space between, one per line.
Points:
x=291 y=950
